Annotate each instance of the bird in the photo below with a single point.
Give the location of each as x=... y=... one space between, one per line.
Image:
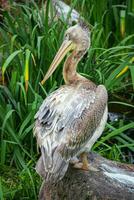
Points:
x=73 y=117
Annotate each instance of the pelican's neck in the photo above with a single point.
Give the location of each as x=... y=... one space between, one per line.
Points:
x=70 y=74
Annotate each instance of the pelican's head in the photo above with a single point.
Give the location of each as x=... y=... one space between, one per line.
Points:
x=79 y=36
x=76 y=38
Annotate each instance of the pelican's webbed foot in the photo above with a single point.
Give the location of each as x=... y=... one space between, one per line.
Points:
x=83 y=165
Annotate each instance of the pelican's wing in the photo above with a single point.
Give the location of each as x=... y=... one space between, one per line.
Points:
x=66 y=120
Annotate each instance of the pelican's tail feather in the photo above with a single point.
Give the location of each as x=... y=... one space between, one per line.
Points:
x=51 y=167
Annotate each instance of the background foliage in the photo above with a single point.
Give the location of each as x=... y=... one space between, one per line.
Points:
x=28 y=43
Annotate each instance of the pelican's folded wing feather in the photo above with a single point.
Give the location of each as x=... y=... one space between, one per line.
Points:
x=67 y=119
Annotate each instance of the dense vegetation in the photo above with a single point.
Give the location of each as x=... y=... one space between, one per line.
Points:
x=28 y=43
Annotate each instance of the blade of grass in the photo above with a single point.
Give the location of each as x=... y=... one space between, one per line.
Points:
x=26 y=72
x=116 y=132
x=1 y=190
x=9 y=59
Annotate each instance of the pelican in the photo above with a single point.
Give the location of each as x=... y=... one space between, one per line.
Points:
x=73 y=117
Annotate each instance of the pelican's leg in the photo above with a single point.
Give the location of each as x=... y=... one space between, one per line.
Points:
x=84 y=160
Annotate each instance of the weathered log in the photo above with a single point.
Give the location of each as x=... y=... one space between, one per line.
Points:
x=65 y=12
x=105 y=180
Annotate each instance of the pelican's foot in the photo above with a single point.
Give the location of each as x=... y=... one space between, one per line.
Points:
x=87 y=167
x=81 y=166
x=78 y=164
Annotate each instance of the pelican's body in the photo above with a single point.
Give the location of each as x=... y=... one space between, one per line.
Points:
x=70 y=119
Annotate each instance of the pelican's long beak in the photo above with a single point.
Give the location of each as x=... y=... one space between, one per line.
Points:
x=66 y=46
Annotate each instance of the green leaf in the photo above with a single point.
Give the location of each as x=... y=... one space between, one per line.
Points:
x=3 y=152
x=116 y=132
x=26 y=71
x=8 y=115
x=25 y=123
x=131 y=67
x=1 y=190
x=9 y=60
x=39 y=39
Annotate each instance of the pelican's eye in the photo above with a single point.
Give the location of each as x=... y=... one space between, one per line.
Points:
x=67 y=36
x=74 y=23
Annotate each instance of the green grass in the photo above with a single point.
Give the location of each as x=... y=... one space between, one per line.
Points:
x=28 y=43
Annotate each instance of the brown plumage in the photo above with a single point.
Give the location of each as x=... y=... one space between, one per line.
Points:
x=71 y=118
